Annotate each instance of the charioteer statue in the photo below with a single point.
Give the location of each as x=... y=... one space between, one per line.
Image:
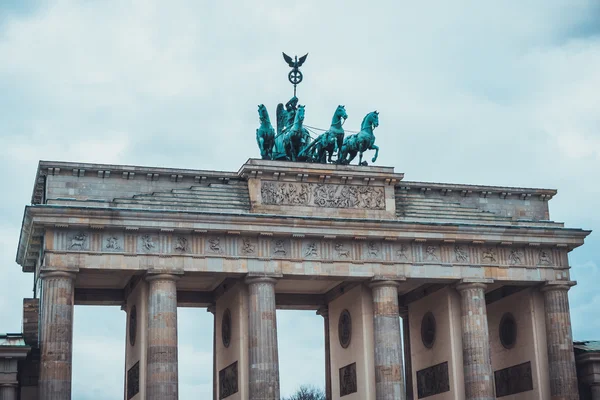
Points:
x=293 y=142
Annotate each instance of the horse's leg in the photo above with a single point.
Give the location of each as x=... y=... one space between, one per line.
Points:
x=339 y=142
x=360 y=153
x=351 y=156
x=261 y=146
x=376 y=148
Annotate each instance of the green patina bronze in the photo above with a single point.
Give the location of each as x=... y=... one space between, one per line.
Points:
x=292 y=141
x=322 y=148
x=265 y=134
x=361 y=141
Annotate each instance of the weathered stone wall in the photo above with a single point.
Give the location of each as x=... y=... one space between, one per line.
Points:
x=135 y=352
x=445 y=307
x=359 y=303
x=236 y=301
x=530 y=346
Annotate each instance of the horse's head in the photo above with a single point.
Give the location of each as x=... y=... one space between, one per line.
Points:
x=370 y=121
x=341 y=112
x=299 y=115
x=263 y=114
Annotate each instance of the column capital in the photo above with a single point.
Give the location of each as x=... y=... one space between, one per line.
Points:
x=557 y=285
x=379 y=281
x=160 y=276
x=56 y=273
x=323 y=312
x=258 y=278
x=466 y=284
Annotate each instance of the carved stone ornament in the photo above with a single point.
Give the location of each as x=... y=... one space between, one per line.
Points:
x=78 y=241
x=513 y=380
x=247 y=247
x=461 y=254
x=516 y=257
x=181 y=244
x=132 y=325
x=279 y=248
x=228 y=381
x=545 y=257
x=214 y=244
x=433 y=380
x=311 y=250
x=147 y=243
x=428 y=330
x=345 y=329
x=322 y=195
x=401 y=253
x=373 y=249
x=431 y=254
x=489 y=254
x=226 y=328
x=133 y=380
x=342 y=251
x=348 y=384
x=112 y=243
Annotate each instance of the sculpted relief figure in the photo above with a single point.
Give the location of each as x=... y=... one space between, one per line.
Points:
x=78 y=241
x=516 y=256
x=431 y=253
x=112 y=242
x=147 y=242
x=342 y=252
x=489 y=254
x=461 y=254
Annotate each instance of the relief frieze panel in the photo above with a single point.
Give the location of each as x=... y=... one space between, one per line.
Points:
x=322 y=195
x=358 y=250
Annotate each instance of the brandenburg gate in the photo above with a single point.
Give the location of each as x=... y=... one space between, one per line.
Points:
x=437 y=290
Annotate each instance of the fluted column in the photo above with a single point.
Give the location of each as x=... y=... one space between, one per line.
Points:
x=56 y=342
x=408 y=381
x=8 y=391
x=477 y=363
x=161 y=347
x=324 y=312
x=561 y=359
x=389 y=377
x=262 y=339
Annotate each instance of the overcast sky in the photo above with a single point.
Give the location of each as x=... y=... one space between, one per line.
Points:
x=482 y=92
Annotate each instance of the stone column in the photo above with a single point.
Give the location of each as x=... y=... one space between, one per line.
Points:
x=477 y=363
x=407 y=359
x=324 y=312
x=262 y=339
x=56 y=342
x=389 y=382
x=8 y=391
x=161 y=349
x=213 y=310
x=561 y=358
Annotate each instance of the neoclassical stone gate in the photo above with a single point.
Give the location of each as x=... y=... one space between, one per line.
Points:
x=479 y=274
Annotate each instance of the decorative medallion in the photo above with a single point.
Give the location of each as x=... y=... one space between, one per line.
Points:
x=428 y=330
x=228 y=381
x=132 y=325
x=508 y=331
x=345 y=329
x=348 y=384
x=226 y=328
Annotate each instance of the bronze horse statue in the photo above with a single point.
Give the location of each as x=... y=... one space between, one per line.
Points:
x=265 y=134
x=322 y=148
x=361 y=141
